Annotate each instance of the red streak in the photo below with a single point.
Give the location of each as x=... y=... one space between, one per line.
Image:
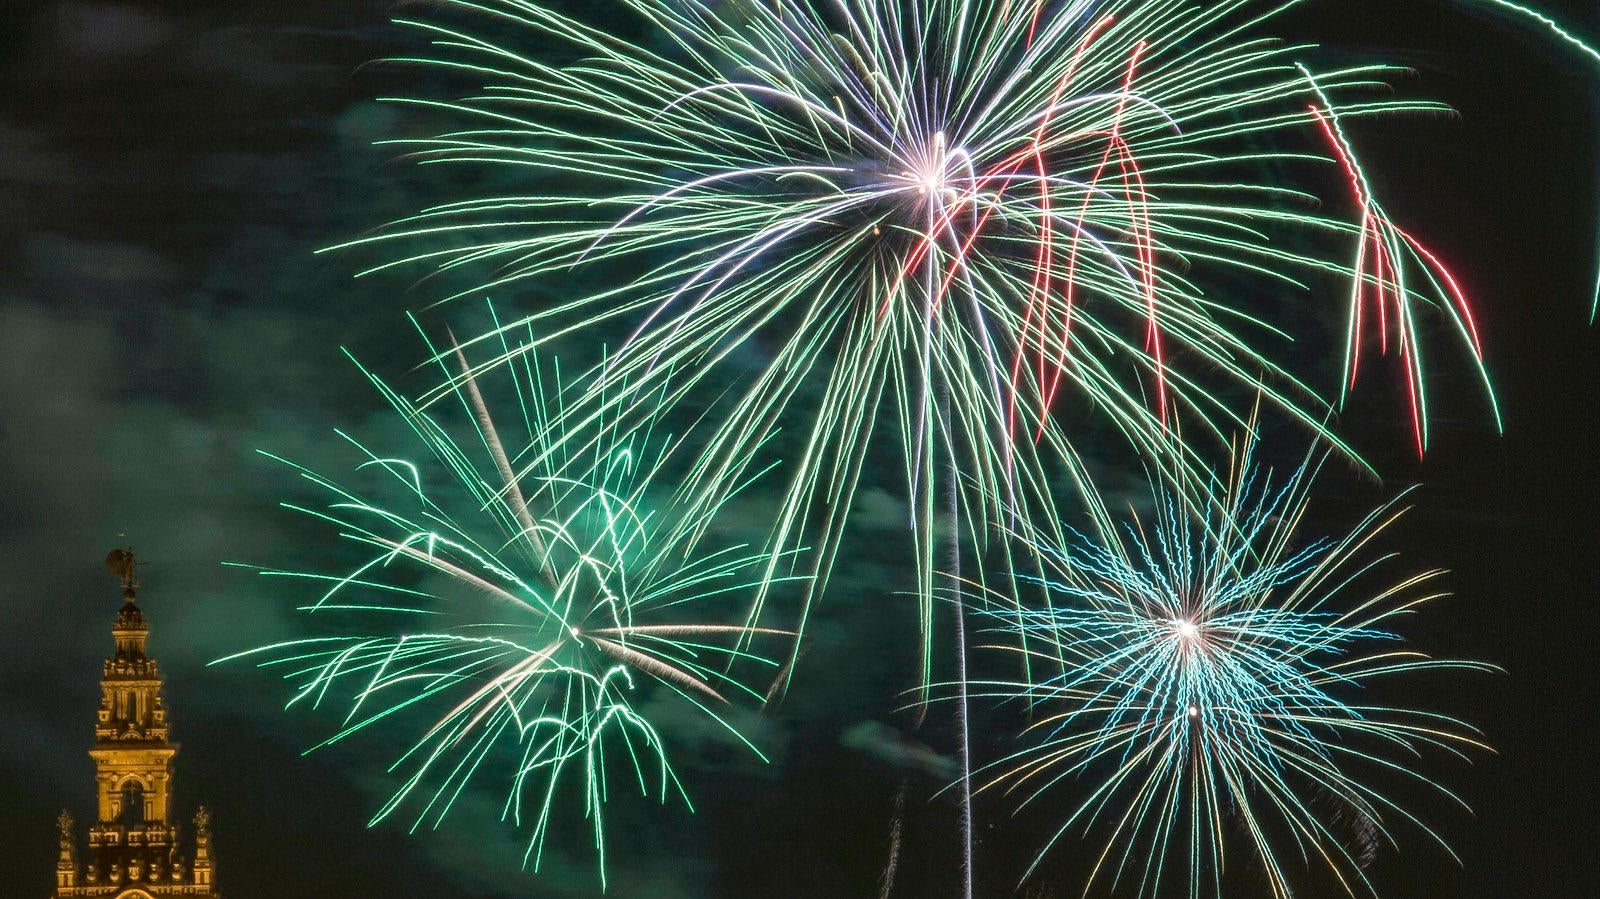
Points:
x=1131 y=175
x=1456 y=293
x=1386 y=275
x=1037 y=304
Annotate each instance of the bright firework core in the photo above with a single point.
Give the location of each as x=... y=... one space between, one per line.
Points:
x=1187 y=630
x=931 y=172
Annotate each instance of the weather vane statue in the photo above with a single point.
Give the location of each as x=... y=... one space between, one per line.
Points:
x=120 y=562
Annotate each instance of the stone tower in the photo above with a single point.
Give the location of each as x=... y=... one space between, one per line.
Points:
x=133 y=844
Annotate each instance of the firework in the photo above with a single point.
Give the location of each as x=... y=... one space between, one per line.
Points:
x=929 y=231
x=521 y=592
x=1205 y=678
x=941 y=223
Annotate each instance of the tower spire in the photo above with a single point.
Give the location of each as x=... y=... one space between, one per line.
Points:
x=134 y=840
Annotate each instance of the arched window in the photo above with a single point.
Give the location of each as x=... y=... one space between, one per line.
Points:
x=132 y=804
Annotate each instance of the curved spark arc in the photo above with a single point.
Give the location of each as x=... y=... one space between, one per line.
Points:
x=520 y=596
x=1204 y=674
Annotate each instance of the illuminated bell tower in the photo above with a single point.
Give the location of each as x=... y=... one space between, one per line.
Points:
x=133 y=845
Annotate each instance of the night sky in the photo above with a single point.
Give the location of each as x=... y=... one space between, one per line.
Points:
x=167 y=170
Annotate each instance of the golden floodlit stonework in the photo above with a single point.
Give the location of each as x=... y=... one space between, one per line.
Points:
x=134 y=843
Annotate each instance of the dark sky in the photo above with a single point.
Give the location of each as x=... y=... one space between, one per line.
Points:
x=167 y=170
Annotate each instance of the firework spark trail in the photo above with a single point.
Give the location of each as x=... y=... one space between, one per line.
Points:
x=1573 y=42
x=1387 y=246
x=572 y=579
x=1565 y=35
x=1210 y=686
